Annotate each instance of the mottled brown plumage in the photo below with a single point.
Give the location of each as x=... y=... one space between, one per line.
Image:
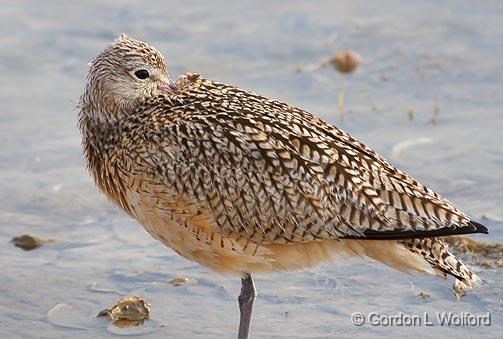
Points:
x=242 y=183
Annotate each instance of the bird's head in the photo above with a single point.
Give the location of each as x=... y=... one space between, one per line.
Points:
x=124 y=73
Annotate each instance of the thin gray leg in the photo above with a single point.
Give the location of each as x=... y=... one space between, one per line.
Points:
x=246 y=299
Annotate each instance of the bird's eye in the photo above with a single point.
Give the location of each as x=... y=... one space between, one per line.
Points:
x=141 y=74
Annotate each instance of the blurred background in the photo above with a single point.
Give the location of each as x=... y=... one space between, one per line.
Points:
x=427 y=95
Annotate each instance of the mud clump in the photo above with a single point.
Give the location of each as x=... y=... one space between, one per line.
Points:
x=346 y=61
x=483 y=254
x=28 y=242
x=128 y=312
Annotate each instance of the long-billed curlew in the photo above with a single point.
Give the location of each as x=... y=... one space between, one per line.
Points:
x=241 y=183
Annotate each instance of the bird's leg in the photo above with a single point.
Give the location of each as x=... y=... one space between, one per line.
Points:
x=246 y=299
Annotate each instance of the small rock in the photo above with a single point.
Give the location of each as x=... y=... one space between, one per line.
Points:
x=128 y=312
x=27 y=242
x=423 y=295
x=346 y=61
x=178 y=281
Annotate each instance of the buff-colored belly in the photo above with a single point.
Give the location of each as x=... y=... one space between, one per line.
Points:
x=189 y=230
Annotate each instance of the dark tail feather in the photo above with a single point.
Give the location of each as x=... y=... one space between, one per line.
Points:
x=479 y=228
x=471 y=227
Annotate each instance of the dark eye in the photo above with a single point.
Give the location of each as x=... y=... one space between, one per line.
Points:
x=141 y=74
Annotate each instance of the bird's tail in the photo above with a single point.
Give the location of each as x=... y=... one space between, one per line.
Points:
x=436 y=253
x=428 y=255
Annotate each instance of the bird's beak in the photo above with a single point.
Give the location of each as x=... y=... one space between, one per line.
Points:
x=167 y=87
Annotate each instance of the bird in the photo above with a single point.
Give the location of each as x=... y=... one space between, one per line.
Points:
x=244 y=184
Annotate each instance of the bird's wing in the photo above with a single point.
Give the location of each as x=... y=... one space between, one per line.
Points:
x=277 y=174
x=415 y=211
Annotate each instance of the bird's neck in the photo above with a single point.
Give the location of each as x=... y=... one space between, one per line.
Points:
x=95 y=132
x=100 y=139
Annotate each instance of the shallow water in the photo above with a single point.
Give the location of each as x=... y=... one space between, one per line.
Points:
x=446 y=57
